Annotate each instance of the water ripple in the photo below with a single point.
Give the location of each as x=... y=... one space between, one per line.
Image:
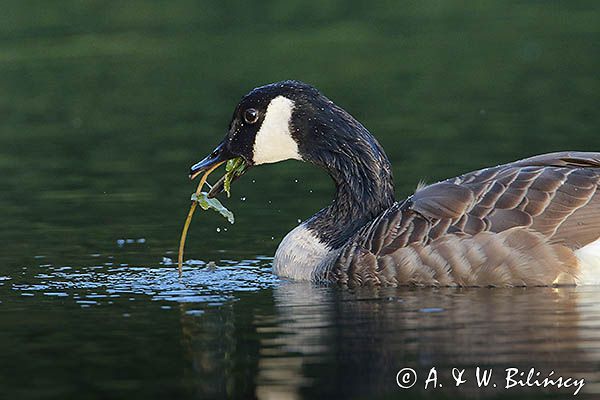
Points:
x=210 y=283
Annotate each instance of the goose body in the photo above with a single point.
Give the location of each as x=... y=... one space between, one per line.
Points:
x=531 y=222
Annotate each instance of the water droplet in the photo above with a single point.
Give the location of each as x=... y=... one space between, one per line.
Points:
x=299 y=220
x=296 y=180
x=218 y=229
x=242 y=198
x=121 y=242
x=272 y=238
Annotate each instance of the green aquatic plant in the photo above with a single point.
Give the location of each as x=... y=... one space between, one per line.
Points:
x=234 y=168
x=206 y=203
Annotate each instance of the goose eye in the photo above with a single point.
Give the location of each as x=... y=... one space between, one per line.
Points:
x=251 y=115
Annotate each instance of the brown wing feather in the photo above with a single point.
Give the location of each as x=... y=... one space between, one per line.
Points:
x=536 y=206
x=551 y=194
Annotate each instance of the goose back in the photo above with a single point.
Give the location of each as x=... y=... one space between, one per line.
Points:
x=510 y=225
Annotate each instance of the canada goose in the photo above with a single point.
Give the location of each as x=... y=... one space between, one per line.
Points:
x=530 y=222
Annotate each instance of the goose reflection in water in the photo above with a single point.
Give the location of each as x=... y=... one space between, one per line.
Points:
x=310 y=341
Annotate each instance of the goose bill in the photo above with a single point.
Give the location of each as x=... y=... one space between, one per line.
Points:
x=219 y=155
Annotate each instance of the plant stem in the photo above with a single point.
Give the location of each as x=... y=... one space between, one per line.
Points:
x=188 y=220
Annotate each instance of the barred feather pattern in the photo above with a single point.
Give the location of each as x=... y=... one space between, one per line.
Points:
x=516 y=224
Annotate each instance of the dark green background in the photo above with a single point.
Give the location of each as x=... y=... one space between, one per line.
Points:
x=105 y=104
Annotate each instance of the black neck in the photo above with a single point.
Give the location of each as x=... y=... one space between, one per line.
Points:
x=362 y=175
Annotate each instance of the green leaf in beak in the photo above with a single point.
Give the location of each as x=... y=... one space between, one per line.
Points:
x=234 y=168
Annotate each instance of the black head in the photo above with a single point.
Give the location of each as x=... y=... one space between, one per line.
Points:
x=293 y=120
x=260 y=130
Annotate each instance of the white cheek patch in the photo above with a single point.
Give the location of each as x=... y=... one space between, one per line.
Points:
x=274 y=140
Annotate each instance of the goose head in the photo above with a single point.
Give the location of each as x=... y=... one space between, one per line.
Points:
x=293 y=120
x=262 y=130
